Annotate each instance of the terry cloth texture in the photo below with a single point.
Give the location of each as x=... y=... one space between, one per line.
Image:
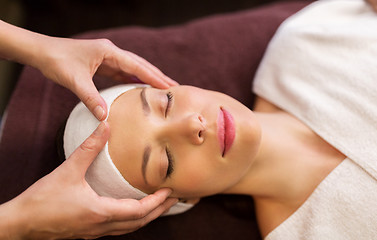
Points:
x=320 y=66
x=102 y=175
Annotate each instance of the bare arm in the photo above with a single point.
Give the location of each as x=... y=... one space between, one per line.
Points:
x=62 y=204
x=72 y=62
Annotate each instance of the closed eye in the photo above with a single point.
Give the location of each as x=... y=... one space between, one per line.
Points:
x=170 y=169
x=169 y=96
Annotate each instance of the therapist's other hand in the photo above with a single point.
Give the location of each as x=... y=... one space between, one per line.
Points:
x=62 y=204
x=73 y=62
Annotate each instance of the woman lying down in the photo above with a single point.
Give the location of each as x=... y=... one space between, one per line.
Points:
x=306 y=153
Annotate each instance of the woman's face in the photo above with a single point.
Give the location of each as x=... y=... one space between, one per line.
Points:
x=174 y=138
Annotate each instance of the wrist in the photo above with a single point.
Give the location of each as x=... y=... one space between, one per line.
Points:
x=20 y=45
x=32 y=52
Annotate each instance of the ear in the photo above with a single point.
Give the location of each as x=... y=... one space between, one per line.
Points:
x=189 y=200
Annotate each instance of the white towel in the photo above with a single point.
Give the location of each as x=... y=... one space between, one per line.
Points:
x=321 y=66
x=102 y=175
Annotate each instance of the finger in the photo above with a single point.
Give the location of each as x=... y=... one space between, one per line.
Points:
x=122 y=227
x=146 y=74
x=155 y=70
x=121 y=76
x=84 y=155
x=164 y=207
x=89 y=95
x=145 y=71
x=172 y=83
x=131 y=209
x=154 y=200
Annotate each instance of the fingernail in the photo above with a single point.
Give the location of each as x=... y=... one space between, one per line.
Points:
x=100 y=129
x=99 y=112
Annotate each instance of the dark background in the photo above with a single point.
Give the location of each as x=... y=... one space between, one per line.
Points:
x=65 y=18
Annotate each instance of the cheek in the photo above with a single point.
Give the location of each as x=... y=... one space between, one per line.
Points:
x=199 y=176
x=194 y=169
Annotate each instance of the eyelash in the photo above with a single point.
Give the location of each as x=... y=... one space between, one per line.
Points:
x=170 y=169
x=169 y=95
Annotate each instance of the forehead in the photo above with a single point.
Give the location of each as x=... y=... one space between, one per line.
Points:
x=127 y=135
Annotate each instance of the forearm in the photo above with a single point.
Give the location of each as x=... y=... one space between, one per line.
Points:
x=20 y=45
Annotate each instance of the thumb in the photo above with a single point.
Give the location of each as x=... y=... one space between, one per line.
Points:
x=89 y=95
x=85 y=154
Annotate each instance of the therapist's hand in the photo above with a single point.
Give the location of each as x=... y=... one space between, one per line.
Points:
x=72 y=64
x=62 y=204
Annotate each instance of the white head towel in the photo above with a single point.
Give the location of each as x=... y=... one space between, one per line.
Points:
x=102 y=175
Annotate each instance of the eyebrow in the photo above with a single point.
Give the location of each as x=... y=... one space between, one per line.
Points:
x=146 y=154
x=147 y=149
x=146 y=107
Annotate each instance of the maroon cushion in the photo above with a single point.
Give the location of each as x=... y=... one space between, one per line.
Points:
x=220 y=53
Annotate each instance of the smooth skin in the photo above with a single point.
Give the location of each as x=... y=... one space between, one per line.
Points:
x=72 y=63
x=275 y=158
x=189 y=131
x=62 y=205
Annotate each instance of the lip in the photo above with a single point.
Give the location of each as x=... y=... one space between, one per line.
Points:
x=226 y=130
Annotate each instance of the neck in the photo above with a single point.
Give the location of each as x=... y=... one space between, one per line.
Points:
x=267 y=175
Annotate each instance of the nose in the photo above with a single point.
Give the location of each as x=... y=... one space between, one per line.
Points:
x=191 y=127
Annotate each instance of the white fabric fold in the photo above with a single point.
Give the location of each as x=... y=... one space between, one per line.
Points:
x=321 y=67
x=102 y=175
